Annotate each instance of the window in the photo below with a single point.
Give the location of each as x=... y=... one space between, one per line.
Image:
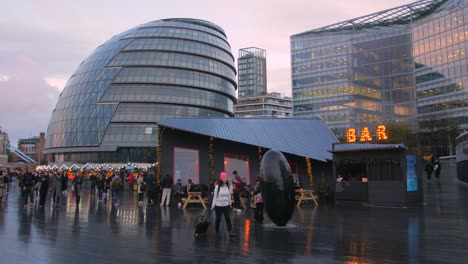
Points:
x=240 y=163
x=186 y=165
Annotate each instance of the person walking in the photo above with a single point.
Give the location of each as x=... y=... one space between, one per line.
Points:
x=77 y=185
x=222 y=203
x=56 y=186
x=117 y=186
x=258 y=199
x=237 y=183
x=27 y=188
x=141 y=189
x=107 y=187
x=92 y=181
x=100 y=186
x=150 y=189
x=437 y=168
x=44 y=188
x=130 y=180
x=429 y=168
x=3 y=185
x=167 y=187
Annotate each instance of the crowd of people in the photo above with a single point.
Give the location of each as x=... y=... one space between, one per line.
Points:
x=36 y=186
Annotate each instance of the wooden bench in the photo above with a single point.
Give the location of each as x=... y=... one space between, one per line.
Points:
x=305 y=195
x=194 y=197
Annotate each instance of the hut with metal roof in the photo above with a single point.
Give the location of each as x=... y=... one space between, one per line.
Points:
x=200 y=148
x=377 y=174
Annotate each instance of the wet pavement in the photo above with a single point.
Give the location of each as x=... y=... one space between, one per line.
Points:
x=101 y=233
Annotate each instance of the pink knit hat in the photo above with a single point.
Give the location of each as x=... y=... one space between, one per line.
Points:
x=222 y=175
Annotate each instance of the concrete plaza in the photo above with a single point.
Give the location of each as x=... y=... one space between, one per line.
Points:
x=102 y=233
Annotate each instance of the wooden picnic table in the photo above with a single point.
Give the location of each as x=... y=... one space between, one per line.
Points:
x=304 y=195
x=242 y=201
x=194 y=197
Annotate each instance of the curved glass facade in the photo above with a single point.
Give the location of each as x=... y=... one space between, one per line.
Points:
x=407 y=65
x=113 y=102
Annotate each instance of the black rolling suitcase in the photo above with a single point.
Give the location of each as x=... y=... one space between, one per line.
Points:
x=201 y=224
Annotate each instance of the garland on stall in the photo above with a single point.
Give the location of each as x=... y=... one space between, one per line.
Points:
x=309 y=171
x=158 y=156
x=260 y=156
x=211 y=160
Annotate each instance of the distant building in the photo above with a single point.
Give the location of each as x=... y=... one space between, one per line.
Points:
x=3 y=150
x=252 y=72
x=33 y=147
x=269 y=105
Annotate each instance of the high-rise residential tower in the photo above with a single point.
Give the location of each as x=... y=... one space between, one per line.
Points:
x=252 y=72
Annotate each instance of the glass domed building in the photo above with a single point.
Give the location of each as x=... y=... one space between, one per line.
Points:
x=110 y=107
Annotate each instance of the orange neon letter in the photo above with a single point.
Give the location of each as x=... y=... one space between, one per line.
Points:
x=351 y=135
x=381 y=133
x=365 y=134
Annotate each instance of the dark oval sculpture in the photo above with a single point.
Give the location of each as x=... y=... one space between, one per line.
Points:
x=277 y=187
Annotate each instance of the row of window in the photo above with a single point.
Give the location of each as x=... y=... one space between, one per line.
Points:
x=157 y=112
x=444 y=89
x=180 y=33
x=89 y=82
x=160 y=23
x=176 y=77
x=168 y=94
x=168 y=59
x=71 y=139
x=182 y=46
x=439 y=25
x=458 y=104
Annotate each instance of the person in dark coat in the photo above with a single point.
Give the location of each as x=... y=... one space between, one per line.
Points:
x=27 y=187
x=429 y=168
x=77 y=185
x=92 y=181
x=150 y=189
x=100 y=186
x=44 y=188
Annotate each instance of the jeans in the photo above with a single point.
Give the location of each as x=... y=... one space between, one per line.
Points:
x=115 y=196
x=56 y=196
x=223 y=210
x=28 y=192
x=99 y=191
x=140 y=197
x=93 y=189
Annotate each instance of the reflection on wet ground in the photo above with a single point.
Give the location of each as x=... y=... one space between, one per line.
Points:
x=101 y=233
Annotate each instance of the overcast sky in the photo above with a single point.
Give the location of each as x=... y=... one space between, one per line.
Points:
x=43 y=42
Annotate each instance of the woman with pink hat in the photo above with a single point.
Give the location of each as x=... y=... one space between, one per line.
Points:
x=222 y=202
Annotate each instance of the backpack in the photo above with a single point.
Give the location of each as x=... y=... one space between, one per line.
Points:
x=116 y=184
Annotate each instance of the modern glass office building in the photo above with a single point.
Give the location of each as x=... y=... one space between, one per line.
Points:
x=252 y=72
x=110 y=107
x=407 y=64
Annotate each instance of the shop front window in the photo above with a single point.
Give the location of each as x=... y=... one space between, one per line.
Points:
x=186 y=165
x=237 y=163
